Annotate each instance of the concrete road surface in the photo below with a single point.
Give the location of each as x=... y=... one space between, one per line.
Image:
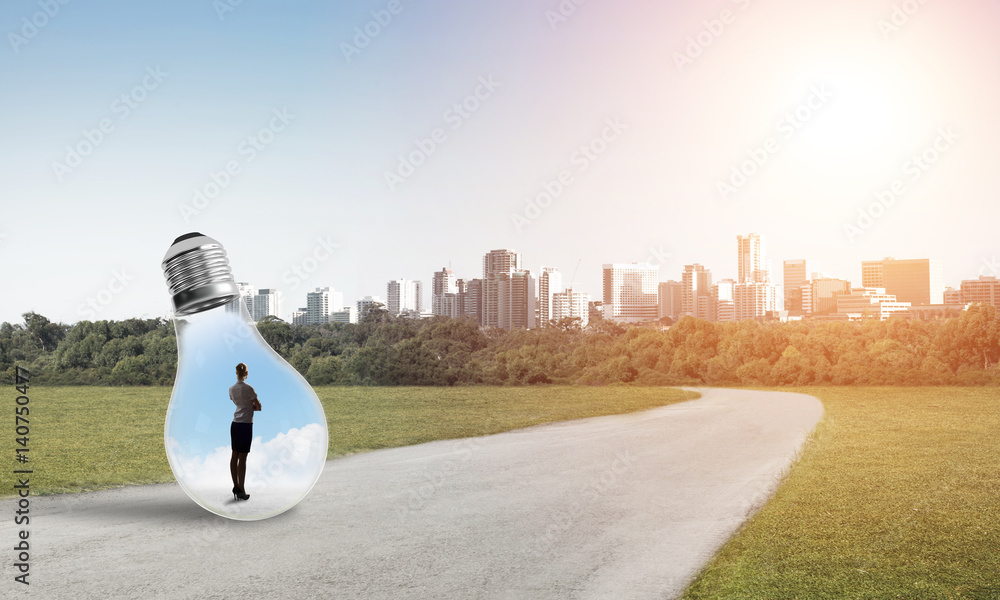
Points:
x=628 y=506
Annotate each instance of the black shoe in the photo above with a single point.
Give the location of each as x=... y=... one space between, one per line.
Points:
x=236 y=495
x=243 y=495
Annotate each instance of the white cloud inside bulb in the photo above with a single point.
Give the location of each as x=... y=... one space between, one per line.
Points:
x=287 y=459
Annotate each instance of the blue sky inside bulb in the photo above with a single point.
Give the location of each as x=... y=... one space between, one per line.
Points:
x=289 y=435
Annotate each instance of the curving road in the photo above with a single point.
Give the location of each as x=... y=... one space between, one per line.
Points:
x=628 y=506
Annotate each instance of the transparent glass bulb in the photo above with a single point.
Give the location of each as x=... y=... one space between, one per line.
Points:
x=214 y=334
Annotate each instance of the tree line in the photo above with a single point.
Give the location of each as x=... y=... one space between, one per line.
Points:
x=386 y=350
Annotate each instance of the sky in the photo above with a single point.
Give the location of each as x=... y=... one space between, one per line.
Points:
x=346 y=144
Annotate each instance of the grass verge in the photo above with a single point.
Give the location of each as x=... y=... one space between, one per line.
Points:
x=898 y=496
x=89 y=438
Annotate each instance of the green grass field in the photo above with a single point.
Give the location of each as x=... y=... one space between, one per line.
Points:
x=898 y=496
x=89 y=438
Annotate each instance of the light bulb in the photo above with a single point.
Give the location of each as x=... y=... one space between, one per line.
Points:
x=214 y=334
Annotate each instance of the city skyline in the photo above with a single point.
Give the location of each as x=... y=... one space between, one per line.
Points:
x=288 y=306
x=696 y=295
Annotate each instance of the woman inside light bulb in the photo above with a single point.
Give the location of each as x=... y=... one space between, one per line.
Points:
x=241 y=431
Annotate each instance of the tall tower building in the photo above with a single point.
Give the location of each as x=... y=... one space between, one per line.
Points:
x=754 y=294
x=825 y=293
x=267 y=302
x=318 y=306
x=495 y=264
x=471 y=299
x=696 y=284
x=549 y=283
x=724 y=300
x=753 y=265
x=403 y=296
x=919 y=281
x=873 y=273
x=247 y=292
x=444 y=294
x=630 y=292
x=671 y=299
x=515 y=300
x=571 y=304
x=796 y=276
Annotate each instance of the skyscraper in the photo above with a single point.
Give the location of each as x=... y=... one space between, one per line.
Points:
x=444 y=294
x=498 y=263
x=571 y=304
x=671 y=298
x=918 y=281
x=318 y=306
x=549 y=283
x=471 y=299
x=630 y=292
x=825 y=292
x=796 y=276
x=724 y=300
x=754 y=294
x=696 y=284
x=752 y=254
x=403 y=296
x=515 y=300
x=873 y=273
x=267 y=302
x=247 y=292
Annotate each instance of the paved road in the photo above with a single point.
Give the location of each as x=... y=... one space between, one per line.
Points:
x=628 y=506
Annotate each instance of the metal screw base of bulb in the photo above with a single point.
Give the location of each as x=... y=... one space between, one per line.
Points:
x=198 y=274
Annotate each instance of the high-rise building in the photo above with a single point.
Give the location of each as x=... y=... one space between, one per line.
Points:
x=873 y=273
x=318 y=306
x=630 y=292
x=367 y=303
x=444 y=294
x=247 y=292
x=495 y=264
x=798 y=300
x=267 y=302
x=299 y=316
x=985 y=290
x=754 y=294
x=917 y=281
x=515 y=300
x=724 y=300
x=754 y=300
x=952 y=296
x=403 y=296
x=471 y=299
x=824 y=292
x=671 y=299
x=696 y=283
x=571 y=304
x=796 y=276
x=549 y=283
x=753 y=265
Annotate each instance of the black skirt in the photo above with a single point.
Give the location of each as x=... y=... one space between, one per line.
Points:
x=242 y=435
